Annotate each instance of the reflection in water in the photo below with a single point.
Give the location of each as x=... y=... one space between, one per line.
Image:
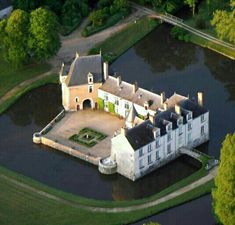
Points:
x=158 y=47
x=56 y=169
x=157 y=181
x=223 y=70
x=31 y=109
x=205 y=71
x=197 y=212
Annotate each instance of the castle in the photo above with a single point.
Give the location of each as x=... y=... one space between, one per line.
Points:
x=155 y=128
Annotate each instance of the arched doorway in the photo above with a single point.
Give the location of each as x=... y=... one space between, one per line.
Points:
x=87 y=104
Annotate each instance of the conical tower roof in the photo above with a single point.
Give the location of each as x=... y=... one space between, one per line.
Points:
x=131 y=115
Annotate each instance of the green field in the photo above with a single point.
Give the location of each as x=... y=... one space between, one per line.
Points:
x=11 y=76
x=120 y=42
x=24 y=201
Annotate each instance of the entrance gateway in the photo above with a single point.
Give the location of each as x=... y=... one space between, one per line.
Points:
x=87 y=104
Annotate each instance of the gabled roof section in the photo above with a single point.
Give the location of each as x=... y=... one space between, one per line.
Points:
x=125 y=91
x=83 y=65
x=131 y=115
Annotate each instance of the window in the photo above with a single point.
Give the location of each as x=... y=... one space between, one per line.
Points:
x=106 y=98
x=202 y=118
x=90 y=89
x=141 y=153
x=149 y=159
x=90 y=80
x=180 y=130
x=146 y=107
x=189 y=116
x=189 y=137
x=141 y=163
x=169 y=137
x=189 y=126
x=202 y=130
x=76 y=99
x=157 y=155
x=126 y=105
x=169 y=128
x=169 y=149
x=116 y=102
x=157 y=143
x=149 y=148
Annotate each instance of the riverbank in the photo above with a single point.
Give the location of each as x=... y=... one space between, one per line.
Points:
x=120 y=42
x=24 y=87
x=201 y=22
x=35 y=203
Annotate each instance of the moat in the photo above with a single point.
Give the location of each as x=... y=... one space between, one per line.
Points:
x=172 y=66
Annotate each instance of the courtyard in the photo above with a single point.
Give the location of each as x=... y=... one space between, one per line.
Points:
x=95 y=121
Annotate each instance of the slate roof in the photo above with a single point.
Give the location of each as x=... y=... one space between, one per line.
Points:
x=125 y=91
x=142 y=134
x=5 y=4
x=80 y=68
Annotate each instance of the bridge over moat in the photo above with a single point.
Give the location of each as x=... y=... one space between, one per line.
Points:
x=176 y=21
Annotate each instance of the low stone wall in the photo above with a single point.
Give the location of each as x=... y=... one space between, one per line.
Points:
x=68 y=150
x=38 y=135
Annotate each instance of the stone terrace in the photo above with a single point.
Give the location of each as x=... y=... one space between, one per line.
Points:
x=98 y=120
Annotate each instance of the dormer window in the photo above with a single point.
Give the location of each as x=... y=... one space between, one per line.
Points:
x=169 y=127
x=189 y=116
x=90 y=78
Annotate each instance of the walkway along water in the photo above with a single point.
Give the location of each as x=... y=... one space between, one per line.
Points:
x=173 y=195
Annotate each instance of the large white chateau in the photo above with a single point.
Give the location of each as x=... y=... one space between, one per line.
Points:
x=156 y=127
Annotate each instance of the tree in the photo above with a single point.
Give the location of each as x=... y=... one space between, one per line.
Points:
x=14 y=33
x=73 y=11
x=191 y=4
x=224 y=192
x=97 y=18
x=26 y=5
x=44 y=40
x=224 y=23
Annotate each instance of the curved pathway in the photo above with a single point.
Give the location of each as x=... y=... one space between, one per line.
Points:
x=156 y=202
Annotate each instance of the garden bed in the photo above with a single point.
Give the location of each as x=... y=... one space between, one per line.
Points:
x=88 y=137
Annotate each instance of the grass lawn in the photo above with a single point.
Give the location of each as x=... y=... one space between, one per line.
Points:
x=120 y=42
x=88 y=137
x=10 y=76
x=24 y=206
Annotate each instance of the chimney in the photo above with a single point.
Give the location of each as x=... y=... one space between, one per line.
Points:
x=106 y=70
x=200 y=98
x=119 y=80
x=62 y=69
x=152 y=120
x=165 y=106
x=77 y=55
x=177 y=109
x=154 y=130
x=123 y=131
x=135 y=87
x=163 y=97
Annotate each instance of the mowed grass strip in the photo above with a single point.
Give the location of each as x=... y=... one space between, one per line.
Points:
x=11 y=76
x=120 y=42
x=19 y=206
